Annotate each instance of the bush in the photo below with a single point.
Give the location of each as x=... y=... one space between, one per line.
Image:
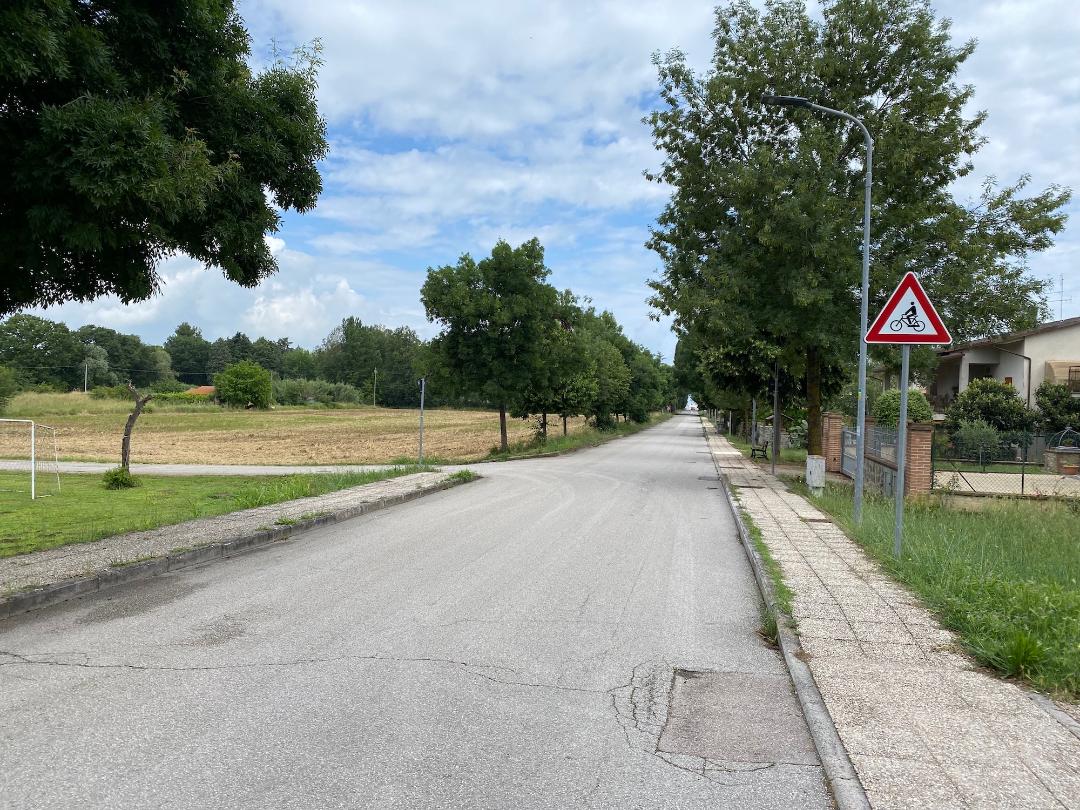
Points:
x=887 y=408
x=1058 y=408
x=244 y=384
x=182 y=396
x=110 y=392
x=994 y=402
x=119 y=478
x=306 y=392
x=169 y=387
x=977 y=440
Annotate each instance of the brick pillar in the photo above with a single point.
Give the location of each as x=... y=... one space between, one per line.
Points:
x=919 y=474
x=832 y=424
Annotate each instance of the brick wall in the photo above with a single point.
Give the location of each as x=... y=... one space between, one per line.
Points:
x=832 y=424
x=918 y=475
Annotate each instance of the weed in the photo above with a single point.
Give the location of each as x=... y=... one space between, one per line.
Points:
x=286 y=521
x=464 y=476
x=119 y=478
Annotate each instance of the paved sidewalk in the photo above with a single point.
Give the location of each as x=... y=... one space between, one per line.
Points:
x=923 y=726
x=54 y=565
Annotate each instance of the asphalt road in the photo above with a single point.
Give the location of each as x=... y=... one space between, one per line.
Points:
x=570 y=632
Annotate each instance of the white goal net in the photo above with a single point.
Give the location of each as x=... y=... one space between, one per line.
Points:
x=29 y=458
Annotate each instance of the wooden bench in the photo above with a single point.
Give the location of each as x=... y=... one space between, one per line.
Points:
x=759 y=450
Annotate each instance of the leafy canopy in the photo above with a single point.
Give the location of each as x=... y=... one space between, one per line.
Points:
x=244 y=384
x=132 y=131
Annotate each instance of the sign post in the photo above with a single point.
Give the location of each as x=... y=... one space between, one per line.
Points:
x=908 y=317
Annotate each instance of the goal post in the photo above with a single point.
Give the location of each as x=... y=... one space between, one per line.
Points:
x=35 y=433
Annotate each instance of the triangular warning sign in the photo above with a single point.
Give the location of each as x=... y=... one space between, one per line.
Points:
x=908 y=317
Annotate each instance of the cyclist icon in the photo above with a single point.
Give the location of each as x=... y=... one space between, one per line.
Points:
x=909 y=319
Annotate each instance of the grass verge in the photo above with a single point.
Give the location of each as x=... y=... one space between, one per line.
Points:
x=586 y=437
x=783 y=594
x=85 y=511
x=1006 y=578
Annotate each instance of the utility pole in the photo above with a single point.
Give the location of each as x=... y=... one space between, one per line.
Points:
x=423 y=384
x=85 y=375
x=374 y=385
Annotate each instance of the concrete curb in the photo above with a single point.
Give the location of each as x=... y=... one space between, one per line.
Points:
x=843 y=781
x=175 y=560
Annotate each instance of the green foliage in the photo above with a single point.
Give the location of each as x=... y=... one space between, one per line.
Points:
x=182 y=397
x=994 y=402
x=887 y=407
x=244 y=384
x=353 y=352
x=1058 y=408
x=9 y=386
x=119 y=478
x=766 y=202
x=977 y=439
x=306 y=392
x=134 y=131
x=190 y=353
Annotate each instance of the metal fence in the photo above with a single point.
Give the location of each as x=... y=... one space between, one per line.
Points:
x=988 y=462
x=879 y=454
x=848 y=439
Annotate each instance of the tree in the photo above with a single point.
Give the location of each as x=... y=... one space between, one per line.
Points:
x=42 y=351
x=125 y=445
x=244 y=385
x=190 y=353
x=219 y=356
x=127 y=355
x=353 y=352
x=9 y=386
x=134 y=131
x=887 y=408
x=994 y=402
x=298 y=363
x=494 y=315
x=760 y=240
x=1058 y=408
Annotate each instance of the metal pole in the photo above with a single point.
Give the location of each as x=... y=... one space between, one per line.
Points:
x=33 y=464
x=85 y=374
x=422 y=385
x=753 y=420
x=860 y=435
x=374 y=385
x=775 y=414
x=901 y=450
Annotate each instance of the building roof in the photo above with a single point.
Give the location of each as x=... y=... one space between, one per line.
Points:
x=1011 y=337
x=201 y=389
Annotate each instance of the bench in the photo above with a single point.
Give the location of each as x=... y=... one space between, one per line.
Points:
x=759 y=450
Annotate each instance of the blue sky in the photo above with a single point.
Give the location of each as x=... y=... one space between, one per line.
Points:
x=453 y=125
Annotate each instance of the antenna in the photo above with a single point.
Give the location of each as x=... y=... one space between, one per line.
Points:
x=1061 y=299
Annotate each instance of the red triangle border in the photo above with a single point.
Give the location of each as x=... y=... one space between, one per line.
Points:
x=936 y=334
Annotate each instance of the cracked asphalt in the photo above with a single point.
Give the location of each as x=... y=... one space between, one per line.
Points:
x=568 y=632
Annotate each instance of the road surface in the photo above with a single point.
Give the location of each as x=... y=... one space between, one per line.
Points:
x=569 y=632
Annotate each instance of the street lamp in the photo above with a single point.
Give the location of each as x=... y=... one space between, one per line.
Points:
x=860 y=429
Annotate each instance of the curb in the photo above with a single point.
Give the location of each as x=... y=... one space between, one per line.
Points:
x=175 y=560
x=847 y=791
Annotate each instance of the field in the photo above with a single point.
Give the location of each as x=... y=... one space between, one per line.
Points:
x=90 y=430
x=84 y=510
x=1006 y=578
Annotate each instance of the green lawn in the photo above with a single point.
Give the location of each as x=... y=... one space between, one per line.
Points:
x=84 y=510
x=1006 y=578
x=788 y=455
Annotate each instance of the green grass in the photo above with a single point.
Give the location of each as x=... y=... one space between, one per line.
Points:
x=85 y=511
x=1006 y=578
x=788 y=455
x=780 y=588
x=557 y=443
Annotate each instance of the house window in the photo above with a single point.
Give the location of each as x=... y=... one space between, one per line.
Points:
x=1074 y=379
x=1008 y=381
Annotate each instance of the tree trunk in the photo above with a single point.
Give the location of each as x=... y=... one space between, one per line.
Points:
x=503 y=444
x=564 y=425
x=813 y=402
x=125 y=446
x=543 y=425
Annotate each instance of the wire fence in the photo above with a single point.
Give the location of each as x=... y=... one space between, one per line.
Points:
x=977 y=460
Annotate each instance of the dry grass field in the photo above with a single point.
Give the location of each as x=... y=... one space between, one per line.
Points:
x=90 y=430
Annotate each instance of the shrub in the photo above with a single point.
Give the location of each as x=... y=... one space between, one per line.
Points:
x=110 y=392
x=306 y=392
x=977 y=439
x=182 y=396
x=243 y=384
x=994 y=402
x=1058 y=408
x=119 y=478
x=168 y=387
x=887 y=408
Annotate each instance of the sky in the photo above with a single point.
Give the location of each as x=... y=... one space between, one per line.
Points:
x=454 y=125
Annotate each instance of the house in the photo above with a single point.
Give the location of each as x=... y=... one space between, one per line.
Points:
x=1022 y=359
x=202 y=390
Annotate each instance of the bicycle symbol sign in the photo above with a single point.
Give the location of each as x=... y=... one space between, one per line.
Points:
x=908 y=317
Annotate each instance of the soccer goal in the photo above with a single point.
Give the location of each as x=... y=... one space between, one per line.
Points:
x=33 y=448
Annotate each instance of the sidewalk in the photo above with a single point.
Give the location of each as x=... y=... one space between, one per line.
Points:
x=138 y=555
x=923 y=726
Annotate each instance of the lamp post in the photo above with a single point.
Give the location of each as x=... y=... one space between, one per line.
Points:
x=860 y=429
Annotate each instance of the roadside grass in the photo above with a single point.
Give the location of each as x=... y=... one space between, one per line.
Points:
x=90 y=430
x=85 y=511
x=788 y=455
x=584 y=437
x=1005 y=578
x=781 y=591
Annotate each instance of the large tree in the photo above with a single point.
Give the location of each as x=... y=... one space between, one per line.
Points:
x=760 y=240
x=190 y=353
x=495 y=315
x=131 y=131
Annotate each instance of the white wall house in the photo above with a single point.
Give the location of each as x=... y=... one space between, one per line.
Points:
x=1022 y=359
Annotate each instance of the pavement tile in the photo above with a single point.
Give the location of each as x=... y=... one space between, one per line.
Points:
x=1006 y=785
x=904 y=784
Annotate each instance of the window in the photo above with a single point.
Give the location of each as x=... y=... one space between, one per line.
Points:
x=1074 y=379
